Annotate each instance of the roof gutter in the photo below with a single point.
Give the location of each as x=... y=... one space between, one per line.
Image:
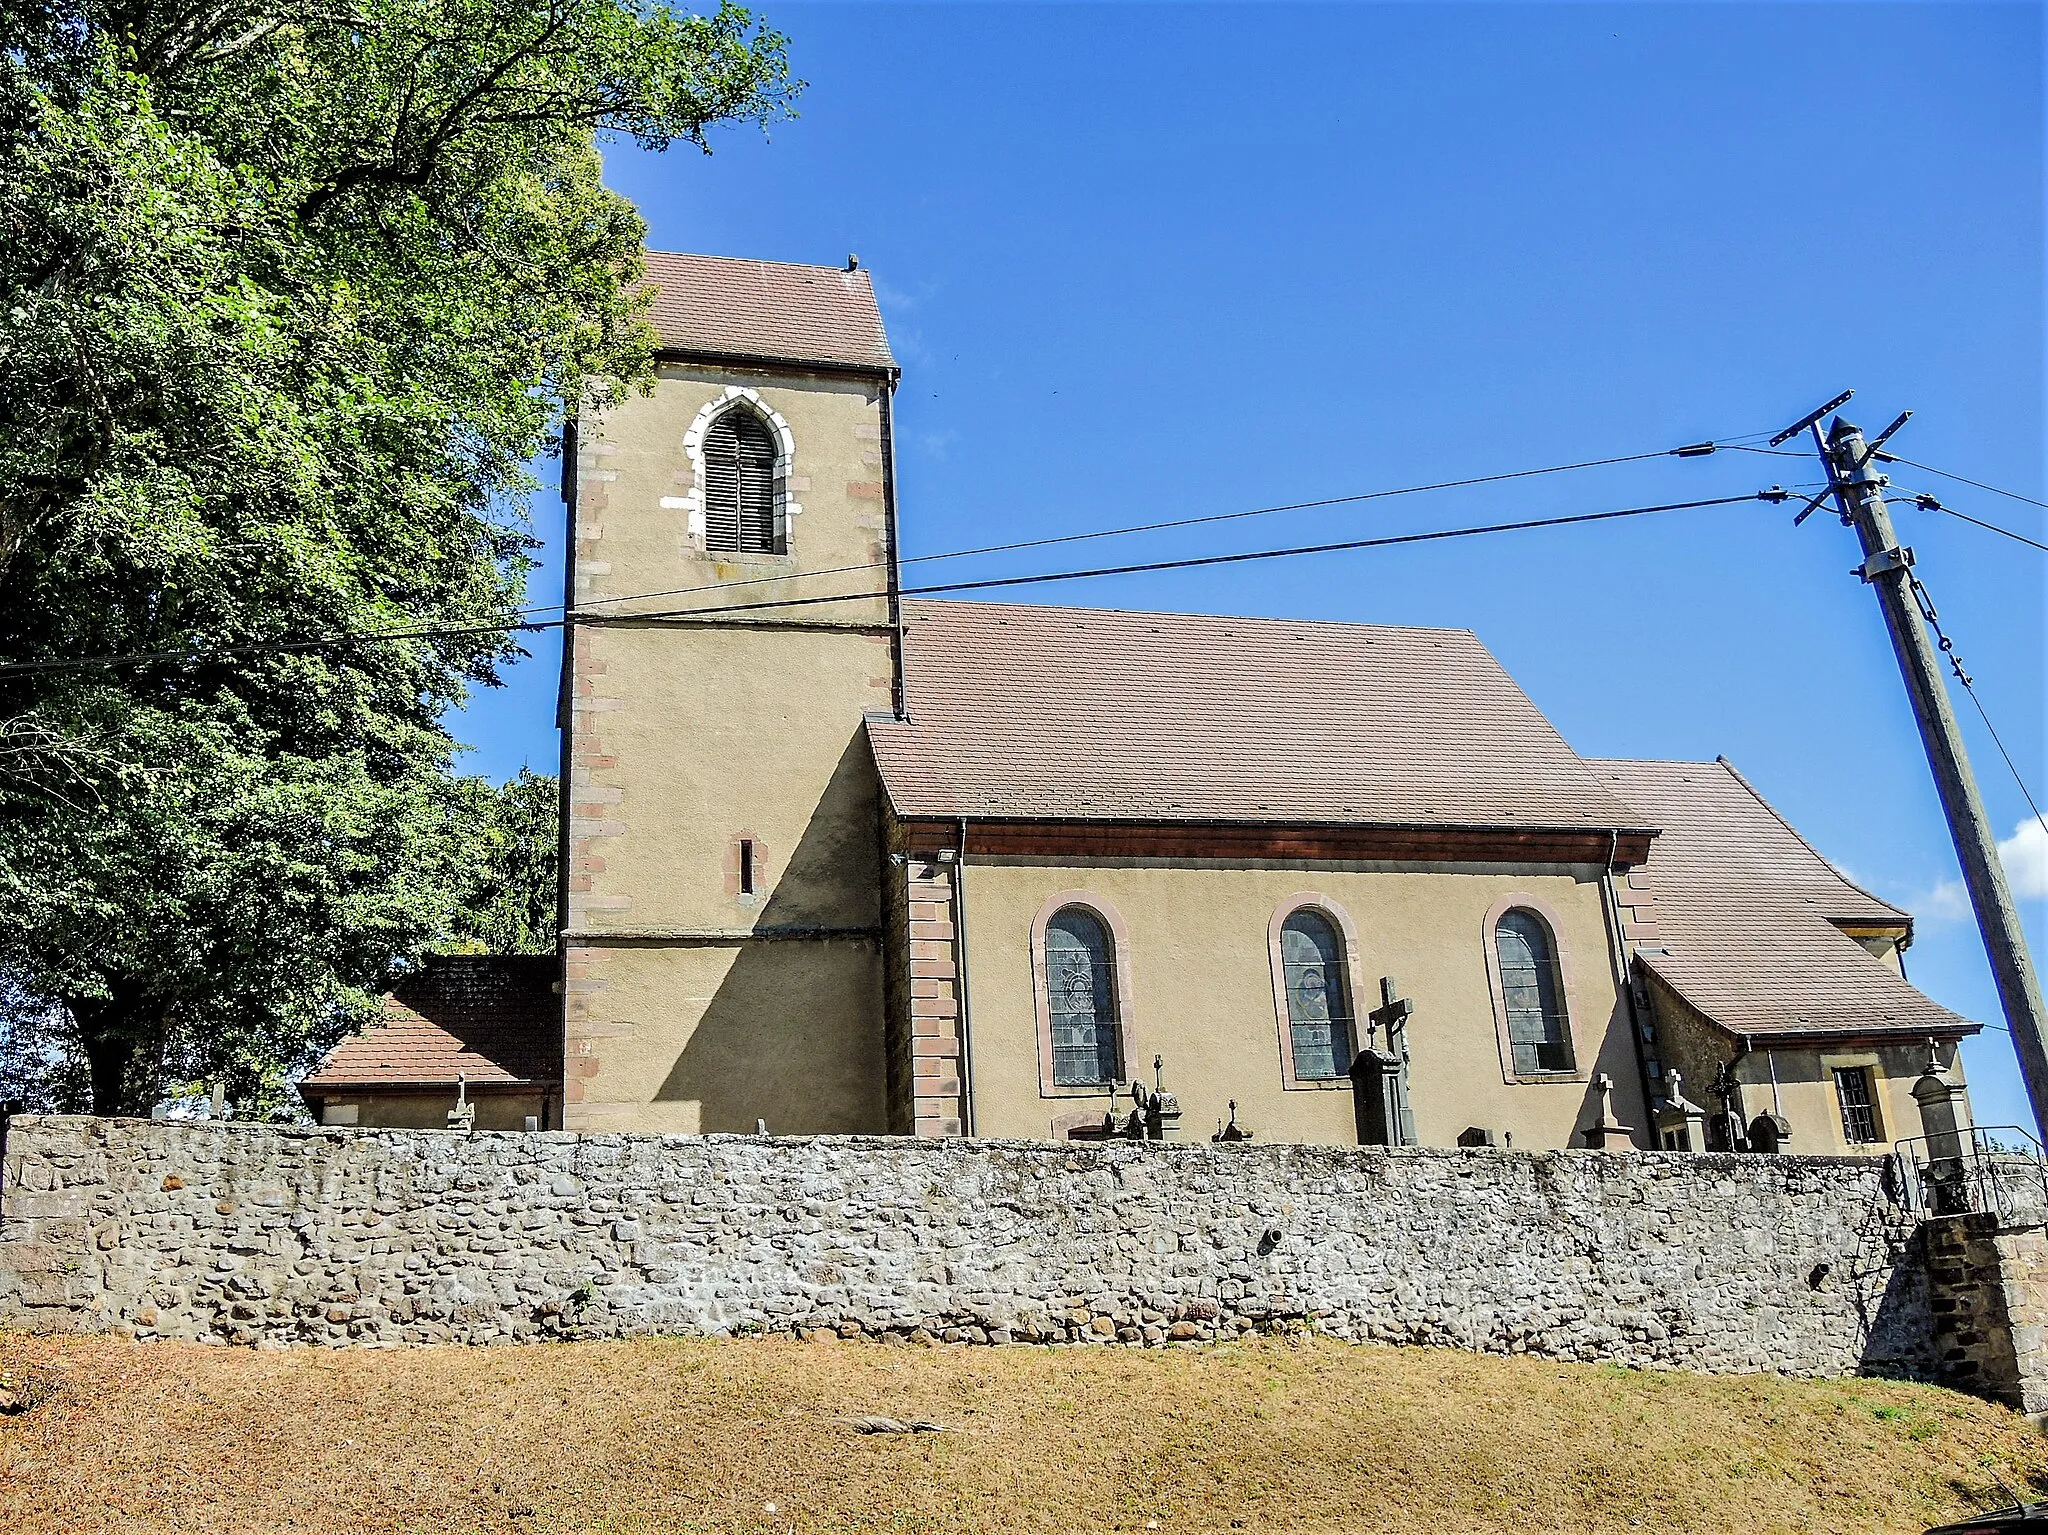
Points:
x=960 y=984
x=899 y=691
x=1645 y=1032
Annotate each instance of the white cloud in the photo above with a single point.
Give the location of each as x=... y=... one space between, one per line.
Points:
x=2025 y=856
x=1948 y=901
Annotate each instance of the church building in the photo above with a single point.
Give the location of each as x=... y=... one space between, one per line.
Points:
x=839 y=861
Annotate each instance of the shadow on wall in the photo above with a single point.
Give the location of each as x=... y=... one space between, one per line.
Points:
x=792 y=1032
x=832 y=877
x=1898 y=1323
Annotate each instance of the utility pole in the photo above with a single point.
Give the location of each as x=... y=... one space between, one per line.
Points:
x=1888 y=569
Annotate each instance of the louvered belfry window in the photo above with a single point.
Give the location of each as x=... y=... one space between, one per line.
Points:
x=739 y=485
x=1318 y=1002
x=1080 y=982
x=1535 y=1000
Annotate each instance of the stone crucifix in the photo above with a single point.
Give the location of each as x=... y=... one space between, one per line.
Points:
x=1380 y=1077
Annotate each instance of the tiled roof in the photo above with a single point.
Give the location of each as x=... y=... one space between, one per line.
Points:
x=1748 y=912
x=1091 y=714
x=493 y=1018
x=772 y=310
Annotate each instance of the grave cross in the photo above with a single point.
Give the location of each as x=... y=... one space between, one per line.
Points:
x=1392 y=1015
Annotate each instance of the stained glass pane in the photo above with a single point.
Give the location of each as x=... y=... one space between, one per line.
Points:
x=1318 y=1002
x=1528 y=980
x=1081 y=988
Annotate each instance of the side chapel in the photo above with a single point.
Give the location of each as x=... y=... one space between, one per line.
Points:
x=838 y=861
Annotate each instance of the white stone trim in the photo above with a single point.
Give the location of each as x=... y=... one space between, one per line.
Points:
x=786 y=509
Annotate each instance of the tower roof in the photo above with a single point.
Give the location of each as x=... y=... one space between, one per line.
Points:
x=767 y=311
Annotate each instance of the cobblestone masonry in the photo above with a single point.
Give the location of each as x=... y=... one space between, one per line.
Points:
x=252 y=1234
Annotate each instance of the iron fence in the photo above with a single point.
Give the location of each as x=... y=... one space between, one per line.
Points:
x=1985 y=1169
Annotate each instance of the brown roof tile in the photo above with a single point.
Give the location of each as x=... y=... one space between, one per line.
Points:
x=770 y=310
x=493 y=1018
x=1093 y=714
x=1748 y=913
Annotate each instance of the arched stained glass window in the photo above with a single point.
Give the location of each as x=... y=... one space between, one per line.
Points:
x=739 y=485
x=1080 y=979
x=1318 y=1000
x=1535 y=1001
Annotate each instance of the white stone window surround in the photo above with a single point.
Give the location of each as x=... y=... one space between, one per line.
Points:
x=734 y=397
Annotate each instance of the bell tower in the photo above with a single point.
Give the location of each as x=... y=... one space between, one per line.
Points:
x=733 y=620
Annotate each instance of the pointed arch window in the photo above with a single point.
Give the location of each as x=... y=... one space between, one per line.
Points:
x=1080 y=976
x=1532 y=994
x=1314 y=972
x=739 y=485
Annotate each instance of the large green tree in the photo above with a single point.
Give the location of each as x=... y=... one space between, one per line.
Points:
x=290 y=297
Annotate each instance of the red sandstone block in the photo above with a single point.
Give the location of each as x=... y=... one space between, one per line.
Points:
x=934 y=1046
x=920 y=951
x=930 y=911
x=928 y=930
x=941 y=1027
x=926 y=987
x=935 y=1128
x=937 y=969
x=865 y=490
x=934 y=1007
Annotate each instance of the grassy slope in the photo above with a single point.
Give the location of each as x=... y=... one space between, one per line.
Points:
x=680 y=1434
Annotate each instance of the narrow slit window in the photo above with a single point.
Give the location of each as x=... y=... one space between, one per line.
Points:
x=1859 y=1111
x=1318 y=1001
x=1080 y=977
x=1537 y=1032
x=739 y=485
x=746 y=866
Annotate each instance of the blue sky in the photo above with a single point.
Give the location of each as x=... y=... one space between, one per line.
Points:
x=1158 y=261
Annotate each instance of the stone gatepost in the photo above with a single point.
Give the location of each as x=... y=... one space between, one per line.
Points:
x=1988 y=1290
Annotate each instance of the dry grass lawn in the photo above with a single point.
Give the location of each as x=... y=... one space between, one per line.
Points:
x=750 y=1435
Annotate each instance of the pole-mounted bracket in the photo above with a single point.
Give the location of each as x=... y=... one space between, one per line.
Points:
x=1882 y=562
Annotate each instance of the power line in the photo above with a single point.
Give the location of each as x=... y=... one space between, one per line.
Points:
x=1925 y=602
x=75 y=663
x=456 y=628
x=1693 y=450
x=1198 y=561
x=1928 y=503
x=1894 y=458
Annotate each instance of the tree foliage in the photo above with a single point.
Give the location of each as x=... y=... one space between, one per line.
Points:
x=290 y=296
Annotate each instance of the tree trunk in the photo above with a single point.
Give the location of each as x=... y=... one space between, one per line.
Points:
x=116 y=1033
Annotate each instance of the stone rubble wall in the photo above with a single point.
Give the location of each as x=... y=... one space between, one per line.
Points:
x=278 y=1236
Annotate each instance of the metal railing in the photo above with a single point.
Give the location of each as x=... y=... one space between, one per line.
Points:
x=1997 y=1170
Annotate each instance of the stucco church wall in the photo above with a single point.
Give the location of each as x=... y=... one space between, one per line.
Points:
x=693 y=1003
x=1201 y=993
x=709 y=1037
x=255 y=1234
x=635 y=474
